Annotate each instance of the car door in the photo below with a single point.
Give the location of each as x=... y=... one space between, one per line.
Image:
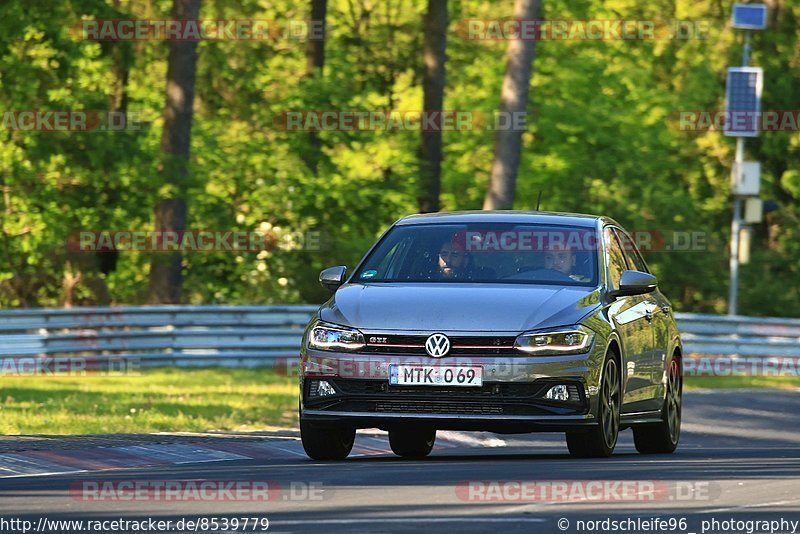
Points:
x=629 y=315
x=656 y=308
x=662 y=317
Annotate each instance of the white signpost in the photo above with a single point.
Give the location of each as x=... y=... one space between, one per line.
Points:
x=746 y=178
x=753 y=210
x=743 y=107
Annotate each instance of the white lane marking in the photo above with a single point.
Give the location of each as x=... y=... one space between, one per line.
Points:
x=410 y=520
x=212 y=460
x=301 y=454
x=469 y=439
x=747 y=506
x=718 y=430
x=18 y=463
x=45 y=474
x=170 y=452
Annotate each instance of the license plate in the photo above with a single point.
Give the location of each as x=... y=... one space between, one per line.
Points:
x=435 y=375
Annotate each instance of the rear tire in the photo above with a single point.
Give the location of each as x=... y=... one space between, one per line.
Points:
x=412 y=442
x=327 y=442
x=599 y=442
x=663 y=437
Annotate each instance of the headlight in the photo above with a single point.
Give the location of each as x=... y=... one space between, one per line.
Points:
x=325 y=336
x=570 y=340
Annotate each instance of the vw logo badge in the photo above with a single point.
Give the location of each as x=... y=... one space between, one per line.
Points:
x=437 y=345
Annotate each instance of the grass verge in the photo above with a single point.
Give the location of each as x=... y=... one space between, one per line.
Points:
x=158 y=400
x=738 y=382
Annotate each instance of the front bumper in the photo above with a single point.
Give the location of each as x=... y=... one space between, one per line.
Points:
x=512 y=425
x=499 y=407
x=512 y=398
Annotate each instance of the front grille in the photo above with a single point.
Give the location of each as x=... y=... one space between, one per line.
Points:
x=375 y=387
x=439 y=407
x=459 y=345
x=509 y=399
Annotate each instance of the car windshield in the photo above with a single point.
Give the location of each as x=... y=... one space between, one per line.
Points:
x=484 y=253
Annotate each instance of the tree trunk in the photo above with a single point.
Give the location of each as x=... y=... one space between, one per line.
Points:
x=166 y=277
x=122 y=59
x=315 y=63
x=315 y=45
x=433 y=81
x=513 y=101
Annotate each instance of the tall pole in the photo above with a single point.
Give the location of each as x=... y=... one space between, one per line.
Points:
x=736 y=220
x=736 y=224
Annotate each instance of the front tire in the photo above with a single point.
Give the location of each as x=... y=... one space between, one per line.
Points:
x=412 y=442
x=599 y=442
x=663 y=437
x=327 y=442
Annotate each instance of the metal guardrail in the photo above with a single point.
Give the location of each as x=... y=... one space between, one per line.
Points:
x=739 y=336
x=249 y=336
x=243 y=336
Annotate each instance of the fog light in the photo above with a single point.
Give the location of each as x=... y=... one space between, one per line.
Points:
x=324 y=388
x=559 y=393
x=320 y=388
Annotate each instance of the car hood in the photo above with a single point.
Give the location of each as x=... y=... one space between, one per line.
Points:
x=458 y=307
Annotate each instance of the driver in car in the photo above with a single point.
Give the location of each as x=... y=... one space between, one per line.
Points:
x=561 y=258
x=455 y=263
x=453 y=260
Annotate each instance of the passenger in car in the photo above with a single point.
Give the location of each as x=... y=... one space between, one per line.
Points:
x=561 y=258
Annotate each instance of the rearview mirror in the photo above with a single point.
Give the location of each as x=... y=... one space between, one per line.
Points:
x=635 y=283
x=333 y=277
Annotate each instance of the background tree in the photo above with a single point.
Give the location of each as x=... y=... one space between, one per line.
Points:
x=315 y=64
x=433 y=83
x=166 y=276
x=603 y=138
x=513 y=103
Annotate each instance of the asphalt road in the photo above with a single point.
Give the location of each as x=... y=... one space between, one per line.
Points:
x=739 y=459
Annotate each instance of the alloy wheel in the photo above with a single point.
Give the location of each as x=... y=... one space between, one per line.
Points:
x=674 y=402
x=609 y=403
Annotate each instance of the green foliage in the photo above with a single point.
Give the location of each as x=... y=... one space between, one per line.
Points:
x=602 y=138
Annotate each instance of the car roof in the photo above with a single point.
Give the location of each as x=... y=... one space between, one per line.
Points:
x=505 y=216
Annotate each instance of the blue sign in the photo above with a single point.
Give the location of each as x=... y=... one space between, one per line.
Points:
x=749 y=16
x=743 y=101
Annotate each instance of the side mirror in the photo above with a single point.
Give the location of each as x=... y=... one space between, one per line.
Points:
x=332 y=277
x=635 y=283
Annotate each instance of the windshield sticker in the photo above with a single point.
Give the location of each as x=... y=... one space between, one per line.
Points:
x=369 y=274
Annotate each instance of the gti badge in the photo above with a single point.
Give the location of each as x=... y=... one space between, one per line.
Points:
x=437 y=345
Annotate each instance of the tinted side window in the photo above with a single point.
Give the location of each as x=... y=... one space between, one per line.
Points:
x=631 y=252
x=616 y=257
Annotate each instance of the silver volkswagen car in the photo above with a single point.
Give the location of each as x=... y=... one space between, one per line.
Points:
x=508 y=322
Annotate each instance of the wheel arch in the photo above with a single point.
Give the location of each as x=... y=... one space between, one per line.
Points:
x=614 y=345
